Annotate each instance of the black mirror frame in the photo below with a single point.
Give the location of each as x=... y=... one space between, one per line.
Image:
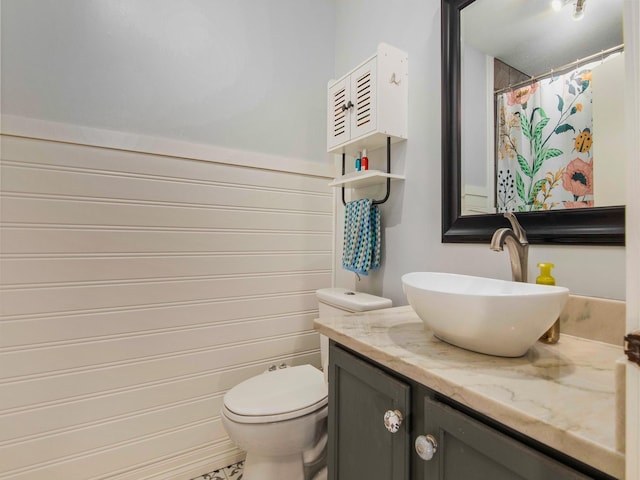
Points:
x=590 y=226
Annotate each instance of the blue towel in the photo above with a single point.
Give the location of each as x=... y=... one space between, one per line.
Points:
x=361 y=246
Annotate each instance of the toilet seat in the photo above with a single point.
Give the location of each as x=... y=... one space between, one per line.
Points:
x=276 y=396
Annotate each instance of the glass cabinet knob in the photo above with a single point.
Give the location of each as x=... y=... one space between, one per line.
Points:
x=393 y=420
x=426 y=446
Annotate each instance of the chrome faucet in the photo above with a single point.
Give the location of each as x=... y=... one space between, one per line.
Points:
x=517 y=244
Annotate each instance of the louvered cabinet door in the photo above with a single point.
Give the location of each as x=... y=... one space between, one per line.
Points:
x=338 y=111
x=363 y=116
x=352 y=106
x=368 y=105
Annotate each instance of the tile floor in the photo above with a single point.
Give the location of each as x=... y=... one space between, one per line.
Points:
x=232 y=472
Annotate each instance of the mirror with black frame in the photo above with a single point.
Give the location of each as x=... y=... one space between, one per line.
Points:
x=501 y=147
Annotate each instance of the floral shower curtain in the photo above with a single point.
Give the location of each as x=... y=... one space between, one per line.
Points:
x=544 y=144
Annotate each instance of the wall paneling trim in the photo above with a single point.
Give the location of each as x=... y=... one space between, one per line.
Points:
x=136 y=289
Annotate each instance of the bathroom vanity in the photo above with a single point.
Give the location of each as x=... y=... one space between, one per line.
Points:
x=550 y=414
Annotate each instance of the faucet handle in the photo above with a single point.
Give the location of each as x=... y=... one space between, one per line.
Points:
x=517 y=228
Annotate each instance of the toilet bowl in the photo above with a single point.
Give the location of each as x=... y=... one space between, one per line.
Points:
x=280 y=417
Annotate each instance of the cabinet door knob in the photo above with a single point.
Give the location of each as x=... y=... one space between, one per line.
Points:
x=347 y=106
x=393 y=420
x=426 y=446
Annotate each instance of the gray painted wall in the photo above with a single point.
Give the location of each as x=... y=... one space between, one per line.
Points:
x=253 y=76
x=243 y=74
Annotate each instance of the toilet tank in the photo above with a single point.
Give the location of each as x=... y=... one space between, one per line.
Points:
x=340 y=301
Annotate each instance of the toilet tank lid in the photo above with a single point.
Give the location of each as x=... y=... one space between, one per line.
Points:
x=279 y=392
x=352 y=301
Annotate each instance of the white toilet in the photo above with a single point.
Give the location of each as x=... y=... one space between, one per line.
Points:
x=280 y=417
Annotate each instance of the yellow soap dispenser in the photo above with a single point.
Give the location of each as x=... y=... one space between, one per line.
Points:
x=553 y=334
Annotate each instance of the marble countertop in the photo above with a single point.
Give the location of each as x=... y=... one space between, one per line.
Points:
x=563 y=395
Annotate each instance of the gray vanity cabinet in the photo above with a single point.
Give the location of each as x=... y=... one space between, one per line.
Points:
x=360 y=446
x=471 y=450
x=468 y=445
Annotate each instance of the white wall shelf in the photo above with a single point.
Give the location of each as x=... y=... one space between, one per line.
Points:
x=364 y=178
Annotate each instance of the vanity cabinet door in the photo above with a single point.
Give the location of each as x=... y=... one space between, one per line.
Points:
x=360 y=446
x=470 y=450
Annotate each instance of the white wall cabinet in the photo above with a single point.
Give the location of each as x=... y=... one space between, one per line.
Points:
x=369 y=104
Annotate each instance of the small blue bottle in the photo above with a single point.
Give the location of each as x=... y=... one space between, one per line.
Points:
x=358 y=163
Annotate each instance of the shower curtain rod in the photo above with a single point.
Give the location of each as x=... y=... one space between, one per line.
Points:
x=563 y=68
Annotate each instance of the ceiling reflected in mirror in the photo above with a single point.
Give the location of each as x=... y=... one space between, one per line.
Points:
x=533 y=37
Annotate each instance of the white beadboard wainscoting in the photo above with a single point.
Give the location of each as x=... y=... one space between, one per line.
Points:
x=136 y=289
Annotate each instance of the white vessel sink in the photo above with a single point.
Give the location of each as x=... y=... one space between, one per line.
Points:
x=486 y=315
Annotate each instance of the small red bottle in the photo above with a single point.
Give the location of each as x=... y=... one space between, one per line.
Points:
x=364 y=161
